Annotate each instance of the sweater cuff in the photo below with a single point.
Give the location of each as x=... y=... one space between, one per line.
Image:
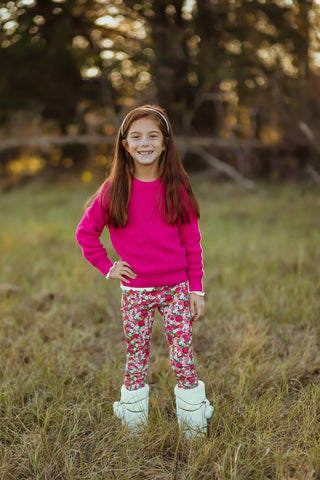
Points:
x=201 y=294
x=195 y=284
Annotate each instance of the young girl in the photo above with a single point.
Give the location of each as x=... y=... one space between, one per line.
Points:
x=150 y=210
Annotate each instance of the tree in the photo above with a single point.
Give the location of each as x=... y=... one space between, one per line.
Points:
x=220 y=68
x=42 y=67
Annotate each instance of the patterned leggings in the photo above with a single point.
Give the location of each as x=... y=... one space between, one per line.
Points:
x=138 y=308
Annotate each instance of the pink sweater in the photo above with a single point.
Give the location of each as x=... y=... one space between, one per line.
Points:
x=160 y=254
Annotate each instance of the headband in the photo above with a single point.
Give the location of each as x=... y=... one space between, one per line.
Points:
x=153 y=110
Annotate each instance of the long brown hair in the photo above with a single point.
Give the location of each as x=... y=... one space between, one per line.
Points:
x=177 y=186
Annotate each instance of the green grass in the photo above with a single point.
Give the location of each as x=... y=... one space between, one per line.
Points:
x=62 y=352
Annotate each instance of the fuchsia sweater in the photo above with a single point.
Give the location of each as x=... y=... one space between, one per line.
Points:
x=160 y=254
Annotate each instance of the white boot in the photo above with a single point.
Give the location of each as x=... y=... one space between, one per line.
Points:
x=193 y=410
x=133 y=407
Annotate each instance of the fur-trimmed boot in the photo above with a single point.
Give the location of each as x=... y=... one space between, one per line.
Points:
x=133 y=407
x=193 y=410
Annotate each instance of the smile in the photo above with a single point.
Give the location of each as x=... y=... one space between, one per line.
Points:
x=148 y=152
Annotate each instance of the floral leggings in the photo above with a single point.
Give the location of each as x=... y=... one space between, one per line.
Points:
x=138 y=309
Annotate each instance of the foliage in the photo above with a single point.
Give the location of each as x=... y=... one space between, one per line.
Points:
x=205 y=61
x=42 y=70
x=62 y=350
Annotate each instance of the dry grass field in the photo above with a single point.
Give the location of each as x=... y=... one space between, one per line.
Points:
x=62 y=352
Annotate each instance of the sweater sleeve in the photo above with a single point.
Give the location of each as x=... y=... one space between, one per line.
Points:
x=190 y=238
x=88 y=235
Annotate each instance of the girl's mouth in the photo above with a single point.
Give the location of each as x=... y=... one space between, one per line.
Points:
x=147 y=152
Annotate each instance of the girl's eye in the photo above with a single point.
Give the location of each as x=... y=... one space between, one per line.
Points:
x=153 y=136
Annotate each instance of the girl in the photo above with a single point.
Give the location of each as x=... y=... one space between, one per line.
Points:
x=150 y=210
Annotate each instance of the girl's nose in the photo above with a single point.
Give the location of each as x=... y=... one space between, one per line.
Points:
x=144 y=140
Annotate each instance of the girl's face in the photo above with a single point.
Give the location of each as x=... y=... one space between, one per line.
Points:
x=145 y=143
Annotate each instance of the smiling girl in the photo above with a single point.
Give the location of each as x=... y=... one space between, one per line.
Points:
x=148 y=205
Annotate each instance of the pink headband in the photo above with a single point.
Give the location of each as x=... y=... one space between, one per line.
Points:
x=151 y=109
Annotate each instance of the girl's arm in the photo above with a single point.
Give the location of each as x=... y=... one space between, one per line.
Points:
x=190 y=239
x=88 y=235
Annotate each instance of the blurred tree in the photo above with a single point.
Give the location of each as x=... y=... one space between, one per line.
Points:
x=59 y=54
x=218 y=67
x=42 y=70
x=244 y=55
x=171 y=35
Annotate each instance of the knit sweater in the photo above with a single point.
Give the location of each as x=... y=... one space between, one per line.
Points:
x=160 y=254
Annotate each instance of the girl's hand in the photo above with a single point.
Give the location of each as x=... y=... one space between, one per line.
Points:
x=121 y=270
x=197 y=306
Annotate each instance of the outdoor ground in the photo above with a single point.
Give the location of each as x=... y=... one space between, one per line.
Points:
x=62 y=352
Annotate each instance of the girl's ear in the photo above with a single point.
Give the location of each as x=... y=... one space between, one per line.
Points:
x=125 y=144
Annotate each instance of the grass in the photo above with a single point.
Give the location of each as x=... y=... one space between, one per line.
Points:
x=62 y=352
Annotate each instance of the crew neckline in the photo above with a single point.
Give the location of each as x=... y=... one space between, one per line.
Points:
x=145 y=182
